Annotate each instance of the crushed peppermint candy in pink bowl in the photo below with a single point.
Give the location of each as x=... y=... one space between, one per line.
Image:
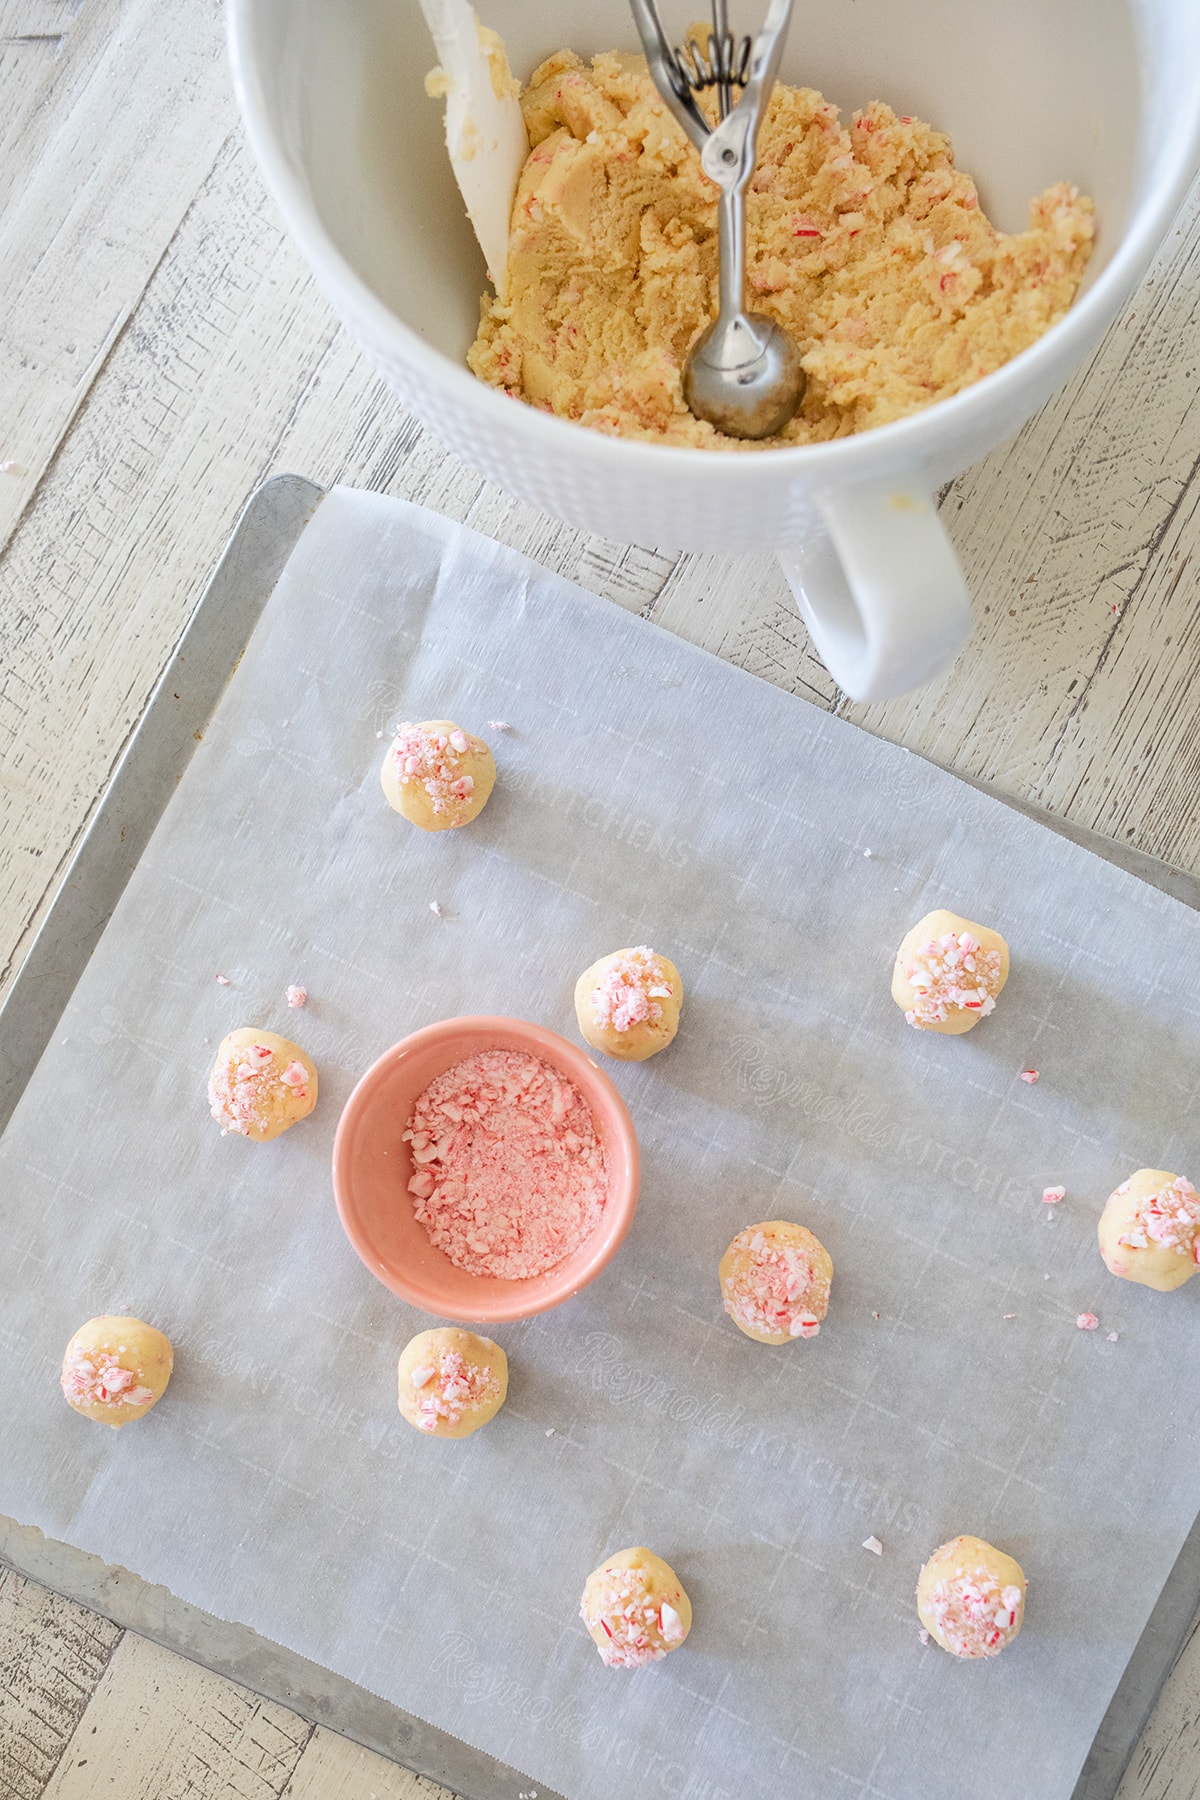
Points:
x=510 y=1069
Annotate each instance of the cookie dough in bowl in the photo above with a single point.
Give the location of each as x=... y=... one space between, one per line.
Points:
x=864 y=242
x=628 y=1003
x=436 y=775
x=261 y=1084
x=775 y=1281
x=971 y=1598
x=635 y=1609
x=451 y=1381
x=1150 y=1230
x=948 y=973
x=115 y=1369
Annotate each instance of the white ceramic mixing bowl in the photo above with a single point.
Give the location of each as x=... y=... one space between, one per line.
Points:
x=1104 y=93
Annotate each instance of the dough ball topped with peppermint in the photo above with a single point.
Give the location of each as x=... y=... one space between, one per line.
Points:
x=451 y=1381
x=1150 y=1230
x=971 y=1598
x=627 y=1004
x=775 y=1281
x=260 y=1084
x=115 y=1369
x=948 y=973
x=436 y=775
x=635 y=1608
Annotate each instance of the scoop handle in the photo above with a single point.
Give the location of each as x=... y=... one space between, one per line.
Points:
x=880 y=589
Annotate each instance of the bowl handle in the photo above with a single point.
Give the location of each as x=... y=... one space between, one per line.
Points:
x=880 y=589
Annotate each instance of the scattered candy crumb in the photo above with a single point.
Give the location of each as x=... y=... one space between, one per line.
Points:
x=868 y=853
x=1112 y=1337
x=436 y=908
x=13 y=468
x=499 y=725
x=873 y=1545
x=550 y=1431
x=923 y=1635
x=1010 y=1315
x=874 y=1315
x=1029 y=1076
x=297 y=996
x=224 y=981
x=1087 y=1321
x=1052 y=1196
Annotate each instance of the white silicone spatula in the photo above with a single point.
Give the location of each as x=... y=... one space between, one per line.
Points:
x=485 y=132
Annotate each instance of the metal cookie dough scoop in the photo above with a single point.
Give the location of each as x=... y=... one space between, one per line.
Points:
x=743 y=374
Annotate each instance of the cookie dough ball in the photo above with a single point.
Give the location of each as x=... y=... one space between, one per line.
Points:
x=628 y=1004
x=451 y=1381
x=436 y=775
x=948 y=973
x=260 y=1084
x=635 y=1609
x=1150 y=1230
x=971 y=1597
x=115 y=1369
x=775 y=1282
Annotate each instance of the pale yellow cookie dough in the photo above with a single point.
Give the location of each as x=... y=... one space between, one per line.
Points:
x=628 y=1003
x=260 y=1084
x=115 y=1369
x=1150 y=1230
x=775 y=1281
x=948 y=973
x=451 y=1381
x=971 y=1597
x=436 y=775
x=635 y=1609
x=863 y=240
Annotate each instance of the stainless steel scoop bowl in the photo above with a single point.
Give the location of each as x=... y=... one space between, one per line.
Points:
x=743 y=374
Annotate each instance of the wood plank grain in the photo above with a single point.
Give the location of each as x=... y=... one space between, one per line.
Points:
x=1166 y=1763
x=332 y=1768
x=1079 y=545
x=161 y=1728
x=98 y=162
x=53 y=1655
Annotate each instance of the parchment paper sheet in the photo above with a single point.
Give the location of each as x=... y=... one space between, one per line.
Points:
x=647 y=794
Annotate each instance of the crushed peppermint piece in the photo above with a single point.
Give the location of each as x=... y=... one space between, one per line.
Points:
x=13 y=468
x=974 y=1615
x=952 y=972
x=638 y=1627
x=1168 y=1219
x=776 y=1282
x=550 y=1431
x=297 y=996
x=499 y=725
x=1113 y=1337
x=436 y=908
x=868 y=853
x=224 y=981
x=923 y=1635
x=434 y=761
x=630 y=991
x=452 y=1389
x=1010 y=1315
x=875 y=1315
x=96 y=1378
x=1087 y=1321
x=1052 y=1196
x=509 y=1176
x=1029 y=1076
x=873 y=1545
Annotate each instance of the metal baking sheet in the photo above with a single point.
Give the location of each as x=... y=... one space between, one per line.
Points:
x=152 y=766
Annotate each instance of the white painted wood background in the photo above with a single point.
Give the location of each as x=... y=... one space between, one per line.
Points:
x=162 y=350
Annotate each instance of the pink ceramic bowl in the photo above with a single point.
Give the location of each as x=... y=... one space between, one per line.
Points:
x=372 y=1166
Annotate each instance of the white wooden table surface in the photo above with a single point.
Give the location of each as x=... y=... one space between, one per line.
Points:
x=162 y=350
